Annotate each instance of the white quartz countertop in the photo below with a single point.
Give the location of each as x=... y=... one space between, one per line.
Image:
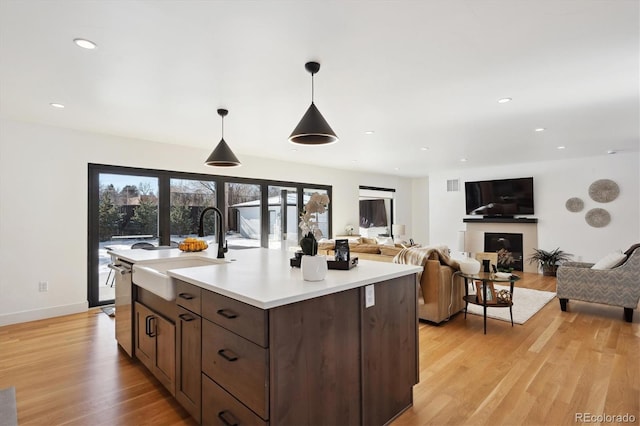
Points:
x=263 y=278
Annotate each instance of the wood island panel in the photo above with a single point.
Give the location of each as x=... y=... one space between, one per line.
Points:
x=389 y=350
x=314 y=367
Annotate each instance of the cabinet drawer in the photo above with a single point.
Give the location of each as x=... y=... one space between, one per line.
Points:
x=243 y=319
x=220 y=408
x=189 y=296
x=238 y=365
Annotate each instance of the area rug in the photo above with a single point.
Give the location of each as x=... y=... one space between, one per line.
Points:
x=526 y=302
x=8 y=412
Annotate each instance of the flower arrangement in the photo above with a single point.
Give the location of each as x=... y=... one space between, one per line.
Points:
x=348 y=229
x=317 y=204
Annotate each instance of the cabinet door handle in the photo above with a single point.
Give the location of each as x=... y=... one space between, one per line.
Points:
x=222 y=415
x=185 y=296
x=147 y=325
x=227 y=314
x=230 y=358
x=151 y=326
x=186 y=317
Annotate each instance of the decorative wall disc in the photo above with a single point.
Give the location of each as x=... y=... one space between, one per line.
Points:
x=604 y=190
x=574 y=204
x=598 y=218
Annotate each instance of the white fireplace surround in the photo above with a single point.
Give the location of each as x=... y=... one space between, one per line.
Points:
x=474 y=238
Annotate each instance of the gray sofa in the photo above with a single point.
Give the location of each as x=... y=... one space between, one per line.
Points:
x=619 y=286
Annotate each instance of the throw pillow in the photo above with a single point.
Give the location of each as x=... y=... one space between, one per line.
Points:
x=609 y=261
x=366 y=240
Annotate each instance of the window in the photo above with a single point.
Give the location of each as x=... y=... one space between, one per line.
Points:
x=283 y=217
x=243 y=205
x=323 y=218
x=376 y=211
x=131 y=205
x=189 y=198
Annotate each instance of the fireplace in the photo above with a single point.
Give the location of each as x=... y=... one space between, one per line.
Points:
x=509 y=248
x=474 y=240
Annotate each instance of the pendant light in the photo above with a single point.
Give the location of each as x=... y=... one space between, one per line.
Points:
x=313 y=129
x=222 y=156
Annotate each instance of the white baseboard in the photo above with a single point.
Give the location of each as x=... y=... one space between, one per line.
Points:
x=38 y=314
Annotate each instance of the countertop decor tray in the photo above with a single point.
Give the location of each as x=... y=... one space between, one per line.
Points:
x=331 y=264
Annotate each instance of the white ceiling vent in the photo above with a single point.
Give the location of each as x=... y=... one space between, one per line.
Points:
x=453 y=185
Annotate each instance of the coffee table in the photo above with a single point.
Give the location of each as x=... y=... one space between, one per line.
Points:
x=487 y=277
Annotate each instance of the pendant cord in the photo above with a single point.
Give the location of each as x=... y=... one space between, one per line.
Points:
x=222 y=127
x=312 y=88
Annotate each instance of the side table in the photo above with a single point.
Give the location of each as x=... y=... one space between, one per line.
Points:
x=486 y=277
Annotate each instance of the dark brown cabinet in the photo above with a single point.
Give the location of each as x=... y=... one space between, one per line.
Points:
x=189 y=348
x=155 y=341
x=220 y=408
x=188 y=356
x=326 y=360
x=389 y=350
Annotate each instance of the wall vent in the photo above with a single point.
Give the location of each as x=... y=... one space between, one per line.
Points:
x=453 y=185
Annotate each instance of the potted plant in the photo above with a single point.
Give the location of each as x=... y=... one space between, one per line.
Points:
x=549 y=260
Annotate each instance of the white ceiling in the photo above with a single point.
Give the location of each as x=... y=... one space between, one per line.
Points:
x=420 y=74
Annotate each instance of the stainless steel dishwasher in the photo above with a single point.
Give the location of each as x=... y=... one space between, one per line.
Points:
x=124 y=308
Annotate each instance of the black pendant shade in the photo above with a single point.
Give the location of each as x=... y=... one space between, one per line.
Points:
x=313 y=129
x=222 y=156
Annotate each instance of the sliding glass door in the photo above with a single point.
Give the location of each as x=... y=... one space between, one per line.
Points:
x=243 y=208
x=283 y=217
x=127 y=215
x=157 y=209
x=189 y=197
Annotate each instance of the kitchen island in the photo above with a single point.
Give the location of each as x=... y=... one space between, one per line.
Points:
x=256 y=344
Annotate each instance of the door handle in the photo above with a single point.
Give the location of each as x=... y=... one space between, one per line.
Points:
x=150 y=329
x=226 y=313
x=224 y=354
x=222 y=415
x=185 y=296
x=186 y=317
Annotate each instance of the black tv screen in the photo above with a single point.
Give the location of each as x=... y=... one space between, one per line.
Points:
x=501 y=197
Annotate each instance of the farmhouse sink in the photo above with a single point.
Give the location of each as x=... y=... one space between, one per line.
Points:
x=152 y=275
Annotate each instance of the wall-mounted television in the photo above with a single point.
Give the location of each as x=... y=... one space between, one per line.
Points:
x=500 y=197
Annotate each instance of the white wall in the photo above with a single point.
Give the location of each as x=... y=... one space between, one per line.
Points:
x=43 y=205
x=554 y=183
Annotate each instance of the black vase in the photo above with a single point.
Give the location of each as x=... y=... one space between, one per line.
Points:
x=309 y=245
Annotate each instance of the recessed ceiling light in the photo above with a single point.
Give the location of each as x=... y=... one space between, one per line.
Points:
x=56 y=105
x=424 y=148
x=354 y=161
x=85 y=44
x=464 y=160
x=369 y=132
x=294 y=150
x=612 y=151
x=396 y=168
x=561 y=147
x=504 y=100
x=540 y=129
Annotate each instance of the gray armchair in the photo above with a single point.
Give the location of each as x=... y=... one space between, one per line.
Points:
x=619 y=286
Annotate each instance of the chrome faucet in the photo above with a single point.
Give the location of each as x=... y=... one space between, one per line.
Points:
x=222 y=244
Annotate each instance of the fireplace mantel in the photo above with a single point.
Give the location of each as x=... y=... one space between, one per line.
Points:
x=498 y=219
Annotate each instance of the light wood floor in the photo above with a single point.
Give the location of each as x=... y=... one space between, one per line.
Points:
x=68 y=370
